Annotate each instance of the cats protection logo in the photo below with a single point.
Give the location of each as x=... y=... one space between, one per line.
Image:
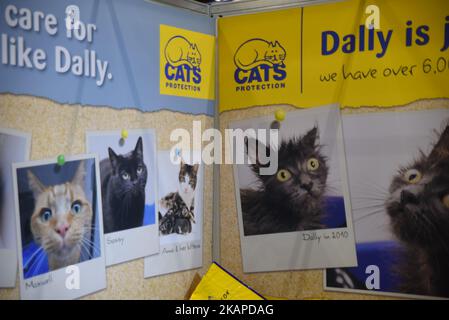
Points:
x=186 y=63
x=260 y=66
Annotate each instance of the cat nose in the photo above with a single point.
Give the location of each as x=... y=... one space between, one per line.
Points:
x=62 y=229
x=408 y=197
x=307 y=186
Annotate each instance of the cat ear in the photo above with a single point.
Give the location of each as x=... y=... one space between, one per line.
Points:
x=80 y=174
x=311 y=137
x=113 y=158
x=138 y=150
x=441 y=149
x=35 y=185
x=195 y=168
x=252 y=150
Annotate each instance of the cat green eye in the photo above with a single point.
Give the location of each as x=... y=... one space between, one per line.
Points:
x=445 y=200
x=313 y=164
x=125 y=176
x=76 y=207
x=412 y=176
x=45 y=214
x=139 y=170
x=283 y=175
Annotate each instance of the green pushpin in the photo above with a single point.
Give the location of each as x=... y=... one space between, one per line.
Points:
x=60 y=160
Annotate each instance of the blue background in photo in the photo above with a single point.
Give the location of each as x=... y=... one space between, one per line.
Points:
x=335 y=214
x=149 y=216
x=384 y=254
x=35 y=260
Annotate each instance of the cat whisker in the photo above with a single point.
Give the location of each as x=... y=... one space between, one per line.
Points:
x=41 y=249
x=86 y=244
x=39 y=264
x=380 y=206
x=372 y=213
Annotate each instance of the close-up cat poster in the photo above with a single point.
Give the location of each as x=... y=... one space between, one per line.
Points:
x=398 y=166
x=59 y=225
x=298 y=217
x=128 y=188
x=180 y=211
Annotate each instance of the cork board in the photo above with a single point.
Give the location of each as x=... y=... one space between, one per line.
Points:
x=60 y=129
x=294 y=284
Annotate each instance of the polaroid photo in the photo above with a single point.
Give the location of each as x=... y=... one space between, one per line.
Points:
x=398 y=170
x=297 y=217
x=180 y=203
x=128 y=172
x=59 y=228
x=14 y=147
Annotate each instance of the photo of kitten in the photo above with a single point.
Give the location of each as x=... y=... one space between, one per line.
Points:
x=418 y=207
x=123 y=182
x=178 y=207
x=180 y=185
x=399 y=184
x=58 y=215
x=285 y=215
x=292 y=199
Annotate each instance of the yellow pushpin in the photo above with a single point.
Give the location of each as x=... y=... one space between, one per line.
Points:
x=279 y=115
x=124 y=134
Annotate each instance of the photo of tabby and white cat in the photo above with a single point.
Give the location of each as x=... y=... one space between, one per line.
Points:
x=58 y=215
x=14 y=147
x=178 y=206
x=180 y=210
x=281 y=215
x=398 y=164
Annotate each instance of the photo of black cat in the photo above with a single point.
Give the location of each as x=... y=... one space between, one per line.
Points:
x=418 y=207
x=292 y=199
x=399 y=187
x=179 y=206
x=123 y=181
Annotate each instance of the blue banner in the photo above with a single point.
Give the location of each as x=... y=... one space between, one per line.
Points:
x=109 y=57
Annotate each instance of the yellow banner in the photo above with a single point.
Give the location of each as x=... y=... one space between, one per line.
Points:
x=187 y=66
x=330 y=53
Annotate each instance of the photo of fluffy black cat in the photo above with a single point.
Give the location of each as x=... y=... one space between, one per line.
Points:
x=418 y=207
x=292 y=199
x=399 y=187
x=123 y=181
x=179 y=206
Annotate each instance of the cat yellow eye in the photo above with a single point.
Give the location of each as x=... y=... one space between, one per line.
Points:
x=412 y=176
x=139 y=170
x=313 y=164
x=283 y=175
x=125 y=176
x=76 y=207
x=45 y=215
x=445 y=200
